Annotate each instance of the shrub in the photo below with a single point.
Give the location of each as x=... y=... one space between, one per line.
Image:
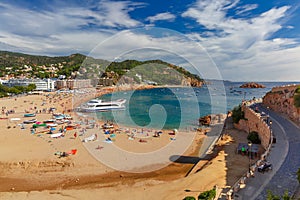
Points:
x=271 y=196
x=298 y=175
x=253 y=137
x=189 y=198
x=297 y=100
x=207 y=195
x=237 y=114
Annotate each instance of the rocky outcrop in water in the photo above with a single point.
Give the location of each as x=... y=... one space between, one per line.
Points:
x=205 y=121
x=252 y=85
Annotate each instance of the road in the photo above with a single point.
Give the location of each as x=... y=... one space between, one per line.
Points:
x=285 y=158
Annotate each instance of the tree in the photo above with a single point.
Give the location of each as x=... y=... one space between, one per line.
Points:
x=237 y=114
x=253 y=137
x=31 y=87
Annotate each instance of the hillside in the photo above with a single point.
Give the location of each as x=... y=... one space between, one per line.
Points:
x=79 y=66
x=285 y=100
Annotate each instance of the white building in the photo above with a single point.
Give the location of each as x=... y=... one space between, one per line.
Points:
x=41 y=85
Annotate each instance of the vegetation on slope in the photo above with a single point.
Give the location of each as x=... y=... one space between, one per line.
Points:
x=237 y=114
x=5 y=91
x=297 y=97
x=80 y=66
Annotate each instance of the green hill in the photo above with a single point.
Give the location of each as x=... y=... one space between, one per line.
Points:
x=81 y=66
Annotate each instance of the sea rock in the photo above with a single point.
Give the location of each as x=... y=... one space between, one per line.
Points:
x=252 y=85
x=205 y=121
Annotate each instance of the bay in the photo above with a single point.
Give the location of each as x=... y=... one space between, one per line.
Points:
x=180 y=107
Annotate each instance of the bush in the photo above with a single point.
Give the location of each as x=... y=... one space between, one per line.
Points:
x=189 y=198
x=298 y=175
x=237 y=114
x=207 y=195
x=271 y=196
x=253 y=137
x=297 y=100
x=297 y=97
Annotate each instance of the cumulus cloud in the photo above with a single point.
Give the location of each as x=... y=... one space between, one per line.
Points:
x=243 y=45
x=240 y=46
x=44 y=30
x=161 y=16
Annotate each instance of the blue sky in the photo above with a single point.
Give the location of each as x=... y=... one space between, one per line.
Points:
x=228 y=39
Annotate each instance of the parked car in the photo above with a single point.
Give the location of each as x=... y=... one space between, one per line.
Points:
x=264 y=167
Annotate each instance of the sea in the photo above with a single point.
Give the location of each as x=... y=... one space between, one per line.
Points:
x=179 y=107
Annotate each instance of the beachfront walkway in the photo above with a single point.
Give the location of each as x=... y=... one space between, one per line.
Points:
x=284 y=157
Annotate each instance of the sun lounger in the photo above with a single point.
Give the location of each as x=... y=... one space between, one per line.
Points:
x=91 y=138
x=56 y=135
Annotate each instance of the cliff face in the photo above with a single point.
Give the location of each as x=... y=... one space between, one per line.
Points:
x=281 y=99
x=196 y=83
x=191 y=82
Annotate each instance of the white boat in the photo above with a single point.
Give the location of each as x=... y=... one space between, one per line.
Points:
x=95 y=105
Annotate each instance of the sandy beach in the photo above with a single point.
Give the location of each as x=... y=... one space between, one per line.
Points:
x=31 y=168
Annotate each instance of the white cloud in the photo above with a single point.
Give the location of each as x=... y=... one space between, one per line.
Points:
x=64 y=28
x=115 y=13
x=245 y=8
x=161 y=16
x=241 y=47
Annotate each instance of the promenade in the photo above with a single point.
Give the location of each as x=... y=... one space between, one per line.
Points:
x=284 y=157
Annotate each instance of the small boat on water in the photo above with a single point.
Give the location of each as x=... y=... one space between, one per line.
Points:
x=97 y=105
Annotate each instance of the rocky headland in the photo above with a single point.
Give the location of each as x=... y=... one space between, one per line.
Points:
x=282 y=100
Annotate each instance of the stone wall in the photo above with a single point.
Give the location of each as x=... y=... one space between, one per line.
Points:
x=281 y=99
x=255 y=122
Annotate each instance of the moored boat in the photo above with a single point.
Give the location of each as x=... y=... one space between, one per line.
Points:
x=97 y=105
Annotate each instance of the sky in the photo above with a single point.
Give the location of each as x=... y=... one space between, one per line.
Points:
x=237 y=40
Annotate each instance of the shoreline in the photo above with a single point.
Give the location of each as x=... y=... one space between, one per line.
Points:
x=24 y=165
x=34 y=162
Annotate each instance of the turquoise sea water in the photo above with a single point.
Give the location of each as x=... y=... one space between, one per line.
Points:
x=179 y=108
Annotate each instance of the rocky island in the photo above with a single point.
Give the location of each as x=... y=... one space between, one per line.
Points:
x=252 y=85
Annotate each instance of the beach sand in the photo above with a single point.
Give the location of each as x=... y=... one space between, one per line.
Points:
x=29 y=168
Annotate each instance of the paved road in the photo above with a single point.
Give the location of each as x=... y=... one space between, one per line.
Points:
x=285 y=158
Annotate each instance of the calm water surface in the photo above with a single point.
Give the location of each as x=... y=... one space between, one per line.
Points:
x=179 y=108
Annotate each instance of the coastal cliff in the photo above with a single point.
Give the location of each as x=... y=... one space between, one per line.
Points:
x=282 y=100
